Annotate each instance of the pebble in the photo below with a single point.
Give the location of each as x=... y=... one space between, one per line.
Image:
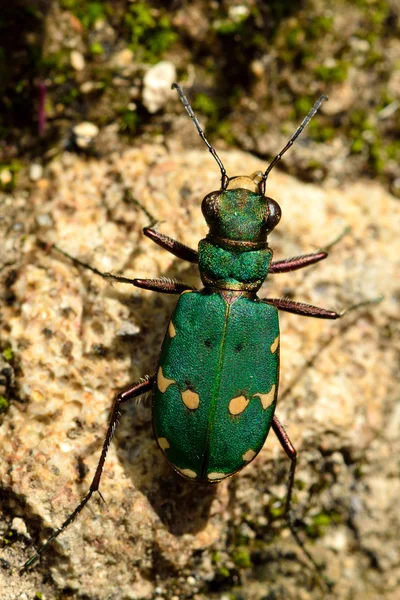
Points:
x=19 y=526
x=124 y=58
x=5 y=176
x=157 y=85
x=77 y=60
x=35 y=172
x=85 y=133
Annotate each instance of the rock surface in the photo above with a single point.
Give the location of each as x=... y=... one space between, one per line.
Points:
x=159 y=536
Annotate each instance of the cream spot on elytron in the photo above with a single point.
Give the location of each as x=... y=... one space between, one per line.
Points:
x=249 y=455
x=163 y=382
x=215 y=476
x=186 y=472
x=190 y=399
x=237 y=405
x=275 y=344
x=163 y=443
x=186 y=292
x=266 y=399
x=171 y=330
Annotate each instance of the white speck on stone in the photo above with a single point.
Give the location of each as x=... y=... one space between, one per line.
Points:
x=237 y=13
x=19 y=526
x=35 y=172
x=191 y=580
x=90 y=86
x=85 y=133
x=65 y=447
x=44 y=220
x=77 y=60
x=128 y=328
x=157 y=85
x=359 y=45
x=124 y=58
x=336 y=540
x=5 y=176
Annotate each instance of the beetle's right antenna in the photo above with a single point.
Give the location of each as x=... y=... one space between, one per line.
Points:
x=294 y=137
x=184 y=100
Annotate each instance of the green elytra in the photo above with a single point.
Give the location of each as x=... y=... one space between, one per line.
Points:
x=215 y=389
x=217 y=378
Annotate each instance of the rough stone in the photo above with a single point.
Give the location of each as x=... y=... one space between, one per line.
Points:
x=157 y=85
x=338 y=400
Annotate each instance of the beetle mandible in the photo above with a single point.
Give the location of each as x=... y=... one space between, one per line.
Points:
x=215 y=390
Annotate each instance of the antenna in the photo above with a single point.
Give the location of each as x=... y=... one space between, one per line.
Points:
x=294 y=137
x=184 y=100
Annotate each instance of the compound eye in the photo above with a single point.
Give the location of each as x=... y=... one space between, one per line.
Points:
x=209 y=206
x=274 y=214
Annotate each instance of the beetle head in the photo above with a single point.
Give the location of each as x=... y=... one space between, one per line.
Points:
x=241 y=211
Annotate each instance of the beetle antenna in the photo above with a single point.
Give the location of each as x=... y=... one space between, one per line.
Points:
x=294 y=137
x=184 y=100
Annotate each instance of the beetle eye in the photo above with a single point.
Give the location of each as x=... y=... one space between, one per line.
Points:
x=274 y=214
x=208 y=206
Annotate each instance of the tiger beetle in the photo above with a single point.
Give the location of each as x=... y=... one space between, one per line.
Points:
x=215 y=390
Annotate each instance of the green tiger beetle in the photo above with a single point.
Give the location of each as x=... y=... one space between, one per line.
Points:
x=215 y=390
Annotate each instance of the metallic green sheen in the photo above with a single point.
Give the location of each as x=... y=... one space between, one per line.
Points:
x=239 y=215
x=233 y=265
x=221 y=350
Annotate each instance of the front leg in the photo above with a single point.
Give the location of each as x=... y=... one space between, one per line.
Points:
x=305 y=260
x=176 y=248
x=297 y=262
x=306 y=310
x=160 y=284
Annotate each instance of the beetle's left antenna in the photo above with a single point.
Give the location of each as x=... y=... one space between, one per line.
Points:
x=294 y=137
x=184 y=100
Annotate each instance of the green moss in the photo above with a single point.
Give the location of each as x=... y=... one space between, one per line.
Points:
x=87 y=12
x=8 y=354
x=231 y=27
x=150 y=35
x=4 y=404
x=320 y=132
x=205 y=104
x=13 y=168
x=129 y=121
x=375 y=157
x=9 y=539
x=38 y=596
x=334 y=74
x=224 y=131
x=357 y=146
x=318 y=26
x=223 y=572
x=321 y=522
x=393 y=151
x=96 y=48
x=241 y=558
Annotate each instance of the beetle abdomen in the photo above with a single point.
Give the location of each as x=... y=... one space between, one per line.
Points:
x=217 y=382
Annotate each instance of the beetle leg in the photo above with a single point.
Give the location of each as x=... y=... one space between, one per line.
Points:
x=296 y=262
x=134 y=391
x=306 y=310
x=292 y=454
x=176 y=248
x=164 y=285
